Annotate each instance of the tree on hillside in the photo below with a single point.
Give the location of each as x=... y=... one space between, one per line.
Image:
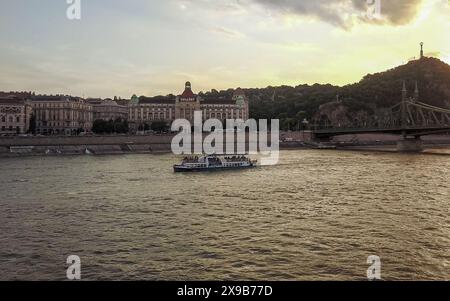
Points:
x=374 y=91
x=118 y=126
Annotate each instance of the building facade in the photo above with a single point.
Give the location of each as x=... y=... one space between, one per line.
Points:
x=15 y=115
x=148 y=110
x=61 y=115
x=67 y=115
x=107 y=109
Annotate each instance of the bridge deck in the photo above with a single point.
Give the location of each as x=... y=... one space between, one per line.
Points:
x=412 y=131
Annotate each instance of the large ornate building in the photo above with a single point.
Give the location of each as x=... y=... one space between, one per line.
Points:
x=15 y=115
x=67 y=115
x=147 y=110
x=61 y=115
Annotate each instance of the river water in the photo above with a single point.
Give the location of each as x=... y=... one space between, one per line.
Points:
x=317 y=215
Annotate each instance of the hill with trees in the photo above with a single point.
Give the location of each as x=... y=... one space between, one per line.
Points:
x=374 y=92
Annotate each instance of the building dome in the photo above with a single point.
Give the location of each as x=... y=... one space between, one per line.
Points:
x=134 y=99
x=188 y=94
x=239 y=97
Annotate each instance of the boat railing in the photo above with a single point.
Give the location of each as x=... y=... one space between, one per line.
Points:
x=216 y=160
x=237 y=159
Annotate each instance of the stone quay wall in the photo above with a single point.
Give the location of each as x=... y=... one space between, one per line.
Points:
x=97 y=145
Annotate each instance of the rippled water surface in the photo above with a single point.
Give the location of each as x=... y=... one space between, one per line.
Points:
x=316 y=216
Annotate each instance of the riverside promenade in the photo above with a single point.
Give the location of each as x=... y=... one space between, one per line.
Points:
x=95 y=145
x=13 y=146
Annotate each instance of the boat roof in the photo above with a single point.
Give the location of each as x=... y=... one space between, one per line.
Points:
x=216 y=155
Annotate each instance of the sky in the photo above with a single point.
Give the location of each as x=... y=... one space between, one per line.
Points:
x=125 y=47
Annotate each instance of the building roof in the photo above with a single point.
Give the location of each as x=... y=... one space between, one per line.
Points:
x=94 y=101
x=188 y=94
x=54 y=98
x=156 y=100
x=21 y=95
x=188 y=91
x=11 y=101
x=123 y=102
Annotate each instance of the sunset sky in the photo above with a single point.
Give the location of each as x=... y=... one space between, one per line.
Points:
x=152 y=47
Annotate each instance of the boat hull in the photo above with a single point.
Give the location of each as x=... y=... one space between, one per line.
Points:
x=180 y=168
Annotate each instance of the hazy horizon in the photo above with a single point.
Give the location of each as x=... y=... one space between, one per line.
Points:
x=122 y=48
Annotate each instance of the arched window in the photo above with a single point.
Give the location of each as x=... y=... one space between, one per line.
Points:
x=3 y=119
x=10 y=119
x=17 y=119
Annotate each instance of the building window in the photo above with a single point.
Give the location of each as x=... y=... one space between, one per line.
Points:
x=18 y=119
x=3 y=119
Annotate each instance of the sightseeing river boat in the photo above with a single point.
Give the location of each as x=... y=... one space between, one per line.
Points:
x=213 y=163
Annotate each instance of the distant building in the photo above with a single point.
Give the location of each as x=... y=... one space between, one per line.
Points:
x=15 y=115
x=108 y=109
x=146 y=110
x=61 y=115
x=149 y=110
x=16 y=94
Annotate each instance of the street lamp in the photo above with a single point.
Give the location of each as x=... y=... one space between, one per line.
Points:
x=305 y=123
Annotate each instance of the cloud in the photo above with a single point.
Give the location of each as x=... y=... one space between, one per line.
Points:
x=345 y=13
x=228 y=7
x=226 y=31
x=437 y=54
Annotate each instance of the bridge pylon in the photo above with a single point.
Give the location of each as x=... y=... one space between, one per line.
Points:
x=410 y=144
x=403 y=108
